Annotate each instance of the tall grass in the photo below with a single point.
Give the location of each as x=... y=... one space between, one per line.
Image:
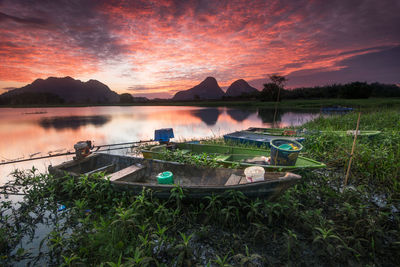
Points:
x=376 y=159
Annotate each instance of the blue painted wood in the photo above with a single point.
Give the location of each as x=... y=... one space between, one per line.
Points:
x=260 y=140
x=163 y=135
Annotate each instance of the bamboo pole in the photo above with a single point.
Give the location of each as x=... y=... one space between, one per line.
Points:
x=276 y=107
x=352 y=149
x=73 y=153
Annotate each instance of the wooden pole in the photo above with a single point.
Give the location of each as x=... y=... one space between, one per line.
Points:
x=70 y=153
x=276 y=107
x=352 y=149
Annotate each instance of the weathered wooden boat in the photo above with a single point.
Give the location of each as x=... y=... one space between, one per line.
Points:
x=298 y=133
x=258 y=139
x=134 y=174
x=231 y=156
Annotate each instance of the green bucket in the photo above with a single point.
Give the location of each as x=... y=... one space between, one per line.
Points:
x=165 y=178
x=284 y=152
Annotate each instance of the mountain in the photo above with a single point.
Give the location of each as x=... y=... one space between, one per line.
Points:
x=128 y=98
x=207 y=89
x=239 y=87
x=67 y=89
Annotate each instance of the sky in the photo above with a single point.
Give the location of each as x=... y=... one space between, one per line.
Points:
x=156 y=48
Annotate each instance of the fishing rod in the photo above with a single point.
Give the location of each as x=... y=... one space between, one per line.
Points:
x=75 y=153
x=127 y=143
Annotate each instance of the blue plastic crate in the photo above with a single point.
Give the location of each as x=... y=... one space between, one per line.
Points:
x=163 y=135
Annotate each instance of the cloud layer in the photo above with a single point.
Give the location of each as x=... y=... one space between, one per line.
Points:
x=159 y=47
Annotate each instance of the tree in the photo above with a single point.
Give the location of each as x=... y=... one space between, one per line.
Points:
x=278 y=80
x=271 y=91
x=355 y=90
x=125 y=98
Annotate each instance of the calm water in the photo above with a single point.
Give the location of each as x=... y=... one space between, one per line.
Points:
x=40 y=131
x=26 y=132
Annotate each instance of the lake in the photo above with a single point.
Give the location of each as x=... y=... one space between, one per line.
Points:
x=33 y=132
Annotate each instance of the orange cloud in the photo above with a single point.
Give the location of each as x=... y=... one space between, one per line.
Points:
x=172 y=45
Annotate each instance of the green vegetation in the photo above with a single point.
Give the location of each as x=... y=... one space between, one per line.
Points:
x=355 y=94
x=32 y=98
x=370 y=103
x=318 y=222
x=354 y=90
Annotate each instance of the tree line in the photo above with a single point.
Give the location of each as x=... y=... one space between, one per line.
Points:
x=275 y=91
x=272 y=91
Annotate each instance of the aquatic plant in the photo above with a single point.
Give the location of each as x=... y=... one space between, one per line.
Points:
x=316 y=222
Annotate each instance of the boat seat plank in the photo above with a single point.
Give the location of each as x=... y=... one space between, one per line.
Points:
x=222 y=157
x=107 y=168
x=233 y=180
x=185 y=151
x=125 y=172
x=243 y=180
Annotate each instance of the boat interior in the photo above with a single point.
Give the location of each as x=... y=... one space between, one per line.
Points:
x=143 y=171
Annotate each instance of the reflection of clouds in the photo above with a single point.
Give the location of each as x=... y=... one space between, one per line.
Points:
x=295 y=119
x=21 y=136
x=73 y=122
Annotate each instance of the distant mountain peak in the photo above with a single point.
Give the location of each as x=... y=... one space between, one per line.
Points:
x=240 y=87
x=70 y=90
x=210 y=78
x=207 y=89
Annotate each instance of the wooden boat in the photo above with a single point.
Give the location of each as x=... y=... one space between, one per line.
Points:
x=231 y=156
x=258 y=139
x=134 y=174
x=298 y=133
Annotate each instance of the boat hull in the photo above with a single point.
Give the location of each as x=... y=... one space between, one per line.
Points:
x=231 y=156
x=274 y=132
x=259 y=140
x=135 y=174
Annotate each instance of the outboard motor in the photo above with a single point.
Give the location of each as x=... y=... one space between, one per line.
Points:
x=82 y=149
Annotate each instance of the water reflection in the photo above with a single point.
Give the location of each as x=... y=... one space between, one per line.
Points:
x=209 y=115
x=267 y=115
x=60 y=128
x=73 y=122
x=240 y=114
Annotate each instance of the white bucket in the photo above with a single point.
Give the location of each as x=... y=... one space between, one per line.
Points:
x=254 y=174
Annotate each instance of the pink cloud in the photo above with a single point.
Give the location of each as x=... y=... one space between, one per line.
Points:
x=172 y=45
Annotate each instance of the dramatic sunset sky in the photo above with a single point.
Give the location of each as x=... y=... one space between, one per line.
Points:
x=155 y=48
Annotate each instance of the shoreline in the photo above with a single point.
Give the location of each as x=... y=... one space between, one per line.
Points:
x=285 y=104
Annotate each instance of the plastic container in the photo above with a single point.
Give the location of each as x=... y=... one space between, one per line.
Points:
x=254 y=174
x=163 y=135
x=284 y=152
x=165 y=178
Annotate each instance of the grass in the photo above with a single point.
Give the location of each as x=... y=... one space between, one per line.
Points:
x=370 y=103
x=318 y=222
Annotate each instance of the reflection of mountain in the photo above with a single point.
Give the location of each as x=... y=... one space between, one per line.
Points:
x=267 y=115
x=208 y=115
x=73 y=122
x=239 y=114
